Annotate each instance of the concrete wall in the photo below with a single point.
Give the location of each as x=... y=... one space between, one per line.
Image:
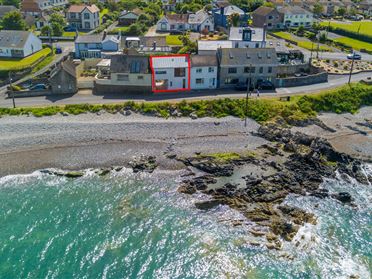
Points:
x=293 y=69
x=120 y=89
x=133 y=79
x=34 y=93
x=301 y=81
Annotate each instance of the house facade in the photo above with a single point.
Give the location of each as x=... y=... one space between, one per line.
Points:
x=127 y=18
x=63 y=78
x=83 y=17
x=173 y=22
x=294 y=16
x=248 y=37
x=267 y=17
x=239 y=66
x=170 y=73
x=37 y=7
x=18 y=44
x=92 y=46
x=203 y=72
x=200 y=21
x=222 y=14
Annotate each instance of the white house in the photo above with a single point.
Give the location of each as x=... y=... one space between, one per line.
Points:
x=247 y=37
x=170 y=73
x=203 y=71
x=186 y=22
x=296 y=16
x=83 y=16
x=18 y=44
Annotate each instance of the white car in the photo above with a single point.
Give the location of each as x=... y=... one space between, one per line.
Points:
x=354 y=56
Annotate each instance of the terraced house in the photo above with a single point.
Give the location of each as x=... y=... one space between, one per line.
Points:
x=83 y=17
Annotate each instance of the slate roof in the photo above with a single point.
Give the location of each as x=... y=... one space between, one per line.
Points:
x=292 y=10
x=122 y=63
x=231 y=9
x=263 y=11
x=198 y=17
x=80 y=8
x=214 y=45
x=203 y=60
x=236 y=34
x=246 y=56
x=13 y=38
x=170 y=62
x=177 y=18
x=86 y=39
x=6 y=9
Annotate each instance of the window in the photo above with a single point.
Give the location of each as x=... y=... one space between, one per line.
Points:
x=122 y=77
x=160 y=72
x=270 y=70
x=199 y=70
x=231 y=81
x=211 y=70
x=86 y=16
x=72 y=15
x=139 y=77
x=246 y=69
x=86 y=25
x=253 y=70
x=179 y=72
x=232 y=70
x=135 y=67
x=270 y=17
x=199 y=81
x=261 y=70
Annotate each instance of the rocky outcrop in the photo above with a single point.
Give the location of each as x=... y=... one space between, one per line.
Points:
x=294 y=163
x=143 y=164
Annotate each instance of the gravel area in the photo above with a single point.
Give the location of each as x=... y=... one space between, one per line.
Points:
x=90 y=140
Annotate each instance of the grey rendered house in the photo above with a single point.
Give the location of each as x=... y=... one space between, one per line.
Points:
x=63 y=78
x=267 y=16
x=237 y=65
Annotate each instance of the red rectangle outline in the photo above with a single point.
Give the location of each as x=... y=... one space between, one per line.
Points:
x=170 y=90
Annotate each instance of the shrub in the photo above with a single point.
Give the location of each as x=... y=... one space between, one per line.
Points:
x=335 y=64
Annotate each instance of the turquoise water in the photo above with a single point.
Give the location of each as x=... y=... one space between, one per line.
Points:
x=129 y=225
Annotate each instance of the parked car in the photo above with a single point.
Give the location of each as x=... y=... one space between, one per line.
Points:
x=356 y=56
x=58 y=50
x=265 y=85
x=242 y=86
x=70 y=28
x=39 y=86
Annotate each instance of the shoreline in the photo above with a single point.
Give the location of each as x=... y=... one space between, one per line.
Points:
x=93 y=141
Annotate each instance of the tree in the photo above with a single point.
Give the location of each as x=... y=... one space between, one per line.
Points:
x=269 y=4
x=318 y=9
x=14 y=3
x=188 y=45
x=45 y=30
x=233 y=19
x=341 y=11
x=323 y=37
x=57 y=23
x=13 y=21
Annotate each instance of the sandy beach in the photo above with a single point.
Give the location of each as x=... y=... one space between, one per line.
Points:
x=29 y=143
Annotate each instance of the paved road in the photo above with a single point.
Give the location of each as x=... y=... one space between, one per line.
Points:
x=87 y=96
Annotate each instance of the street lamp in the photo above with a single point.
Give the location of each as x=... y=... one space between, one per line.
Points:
x=11 y=89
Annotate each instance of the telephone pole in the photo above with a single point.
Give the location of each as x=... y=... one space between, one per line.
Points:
x=351 y=68
x=11 y=88
x=247 y=96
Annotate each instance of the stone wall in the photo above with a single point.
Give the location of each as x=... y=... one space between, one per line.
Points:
x=301 y=81
x=120 y=89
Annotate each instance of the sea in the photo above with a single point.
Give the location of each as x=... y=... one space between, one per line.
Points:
x=136 y=225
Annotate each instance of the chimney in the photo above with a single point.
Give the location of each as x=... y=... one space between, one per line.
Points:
x=154 y=45
x=264 y=36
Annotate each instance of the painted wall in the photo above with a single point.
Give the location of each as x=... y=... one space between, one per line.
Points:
x=207 y=77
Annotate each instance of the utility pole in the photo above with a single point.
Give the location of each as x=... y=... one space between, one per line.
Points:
x=351 y=68
x=247 y=96
x=11 y=89
x=311 y=53
x=317 y=50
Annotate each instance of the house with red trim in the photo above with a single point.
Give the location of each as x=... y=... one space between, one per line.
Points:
x=170 y=73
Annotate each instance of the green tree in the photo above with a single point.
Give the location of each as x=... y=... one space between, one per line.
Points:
x=341 y=11
x=318 y=9
x=13 y=21
x=233 y=19
x=14 y=3
x=269 y=4
x=57 y=23
x=188 y=45
x=323 y=37
x=45 y=30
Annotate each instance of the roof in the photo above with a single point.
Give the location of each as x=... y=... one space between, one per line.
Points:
x=236 y=33
x=69 y=67
x=112 y=38
x=149 y=41
x=263 y=11
x=122 y=63
x=6 y=9
x=177 y=18
x=30 y=6
x=292 y=10
x=198 y=17
x=214 y=45
x=203 y=60
x=80 y=8
x=164 y=62
x=104 y=63
x=13 y=38
x=89 y=39
x=246 y=56
x=231 y=9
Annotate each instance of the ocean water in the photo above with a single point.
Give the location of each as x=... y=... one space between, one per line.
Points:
x=129 y=225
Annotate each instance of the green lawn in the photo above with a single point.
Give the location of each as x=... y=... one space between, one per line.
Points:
x=173 y=40
x=355 y=44
x=13 y=64
x=365 y=26
x=301 y=43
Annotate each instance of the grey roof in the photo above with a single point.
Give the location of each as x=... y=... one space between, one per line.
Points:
x=6 y=9
x=236 y=33
x=263 y=10
x=203 y=60
x=292 y=10
x=89 y=39
x=13 y=38
x=213 y=45
x=198 y=17
x=122 y=63
x=246 y=56
x=232 y=9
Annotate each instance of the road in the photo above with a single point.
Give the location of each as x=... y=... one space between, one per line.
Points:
x=87 y=96
x=67 y=47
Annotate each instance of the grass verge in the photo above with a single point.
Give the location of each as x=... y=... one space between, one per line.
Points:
x=306 y=44
x=340 y=100
x=14 y=64
x=354 y=44
x=364 y=27
x=173 y=40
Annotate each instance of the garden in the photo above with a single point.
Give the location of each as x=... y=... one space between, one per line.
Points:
x=342 y=66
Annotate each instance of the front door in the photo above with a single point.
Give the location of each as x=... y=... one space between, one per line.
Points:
x=184 y=83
